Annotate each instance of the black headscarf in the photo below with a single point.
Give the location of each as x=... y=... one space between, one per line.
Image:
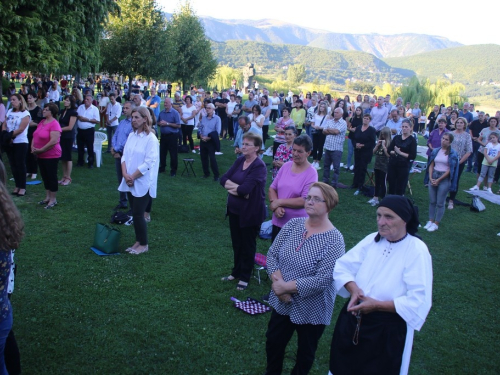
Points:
x=405 y=209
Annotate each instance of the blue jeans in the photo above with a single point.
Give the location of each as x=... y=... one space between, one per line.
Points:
x=350 y=152
x=437 y=198
x=332 y=158
x=5 y=328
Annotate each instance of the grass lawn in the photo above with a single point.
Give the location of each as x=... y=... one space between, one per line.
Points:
x=167 y=312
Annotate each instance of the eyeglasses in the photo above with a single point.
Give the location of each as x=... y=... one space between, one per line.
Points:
x=314 y=199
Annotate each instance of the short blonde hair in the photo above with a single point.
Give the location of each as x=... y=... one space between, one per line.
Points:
x=329 y=194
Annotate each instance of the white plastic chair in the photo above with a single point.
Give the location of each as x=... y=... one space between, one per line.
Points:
x=99 y=139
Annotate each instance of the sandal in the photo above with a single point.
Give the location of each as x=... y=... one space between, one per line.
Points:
x=51 y=205
x=241 y=286
x=228 y=278
x=41 y=203
x=137 y=252
x=66 y=181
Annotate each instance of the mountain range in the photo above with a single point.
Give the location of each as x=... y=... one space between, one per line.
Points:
x=278 y=32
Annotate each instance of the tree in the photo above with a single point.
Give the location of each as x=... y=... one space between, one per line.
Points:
x=223 y=77
x=51 y=35
x=296 y=73
x=194 y=61
x=135 y=42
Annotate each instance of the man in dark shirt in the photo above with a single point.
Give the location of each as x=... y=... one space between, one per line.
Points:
x=475 y=128
x=220 y=109
x=170 y=123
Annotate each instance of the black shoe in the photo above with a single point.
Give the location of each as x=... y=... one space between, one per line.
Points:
x=216 y=178
x=79 y=165
x=207 y=176
x=265 y=298
x=120 y=207
x=172 y=174
x=161 y=170
x=91 y=166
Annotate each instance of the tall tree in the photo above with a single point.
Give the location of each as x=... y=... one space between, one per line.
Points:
x=296 y=73
x=51 y=35
x=194 y=61
x=135 y=42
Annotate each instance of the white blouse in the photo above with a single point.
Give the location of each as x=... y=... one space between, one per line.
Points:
x=399 y=272
x=141 y=153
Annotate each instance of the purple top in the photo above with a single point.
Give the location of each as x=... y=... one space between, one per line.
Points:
x=292 y=185
x=252 y=181
x=435 y=139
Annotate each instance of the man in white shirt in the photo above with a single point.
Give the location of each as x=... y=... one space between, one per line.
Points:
x=88 y=116
x=334 y=145
x=394 y=122
x=379 y=115
x=113 y=112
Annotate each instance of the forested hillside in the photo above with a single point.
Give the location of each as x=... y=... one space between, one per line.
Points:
x=468 y=64
x=333 y=66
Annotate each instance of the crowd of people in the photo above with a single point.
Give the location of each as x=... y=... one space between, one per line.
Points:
x=387 y=276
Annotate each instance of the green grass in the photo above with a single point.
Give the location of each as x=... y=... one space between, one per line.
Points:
x=167 y=312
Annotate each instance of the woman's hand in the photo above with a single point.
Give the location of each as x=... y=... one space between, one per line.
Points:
x=397 y=150
x=279 y=212
x=274 y=205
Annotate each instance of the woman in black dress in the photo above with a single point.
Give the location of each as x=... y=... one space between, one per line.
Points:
x=364 y=142
x=402 y=151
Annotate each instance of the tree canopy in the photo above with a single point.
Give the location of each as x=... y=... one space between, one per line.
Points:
x=191 y=50
x=52 y=36
x=135 y=42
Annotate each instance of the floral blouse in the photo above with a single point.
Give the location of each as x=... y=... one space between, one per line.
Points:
x=462 y=144
x=283 y=154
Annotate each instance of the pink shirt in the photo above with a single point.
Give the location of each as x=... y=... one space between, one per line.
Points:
x=441 y=162
x=41 y=137
x=292 y=185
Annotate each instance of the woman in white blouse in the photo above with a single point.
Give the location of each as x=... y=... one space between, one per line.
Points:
x=140 y=174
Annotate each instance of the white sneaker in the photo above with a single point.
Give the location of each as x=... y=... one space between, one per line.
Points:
x=475 y=187
x=356 y=192
x=485 y=188
x=331 y=167
x=371 y=201
x=194 y=151
x=218 y=153
x=315 y=165
x=429 y=223
x=432 y=228
x=351 y=168
x=374 y=203
x=489 y=191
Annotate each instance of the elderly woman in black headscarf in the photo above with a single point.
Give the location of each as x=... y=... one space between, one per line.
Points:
x=388 y=278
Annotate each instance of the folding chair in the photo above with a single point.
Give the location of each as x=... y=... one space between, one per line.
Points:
x=260 y=265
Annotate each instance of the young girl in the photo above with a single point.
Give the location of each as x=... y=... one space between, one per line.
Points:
x=422 y=122
x=443 y=174
x=381 y=162
x=490 y=161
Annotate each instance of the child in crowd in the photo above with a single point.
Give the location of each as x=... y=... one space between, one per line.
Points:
x=490 y=161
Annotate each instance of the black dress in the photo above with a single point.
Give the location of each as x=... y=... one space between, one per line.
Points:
x=363 y=155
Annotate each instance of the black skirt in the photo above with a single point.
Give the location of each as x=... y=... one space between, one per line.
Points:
x=380 y=347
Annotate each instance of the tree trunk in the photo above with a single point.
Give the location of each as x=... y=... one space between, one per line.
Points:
x=129 y=86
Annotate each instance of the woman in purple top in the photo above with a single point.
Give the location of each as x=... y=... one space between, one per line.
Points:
x=434 y=141
x=245 y=182
x=290 y=187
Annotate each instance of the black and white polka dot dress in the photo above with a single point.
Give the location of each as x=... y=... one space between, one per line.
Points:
x=310 y=262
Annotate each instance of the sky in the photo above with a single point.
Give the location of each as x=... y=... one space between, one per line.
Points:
x=471 y=22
